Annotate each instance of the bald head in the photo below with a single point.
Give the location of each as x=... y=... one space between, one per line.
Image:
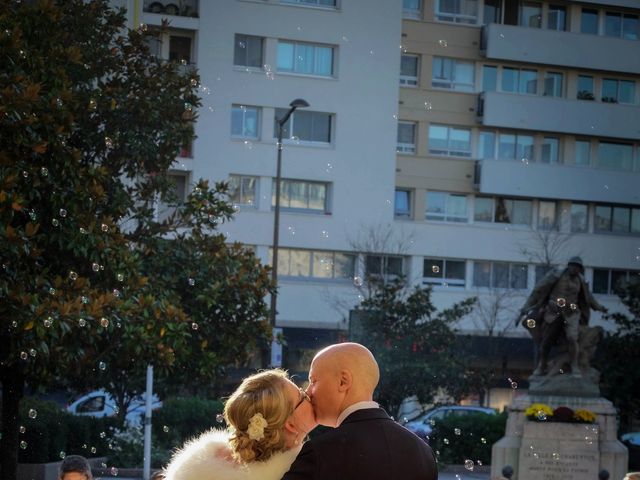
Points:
x=356 y=359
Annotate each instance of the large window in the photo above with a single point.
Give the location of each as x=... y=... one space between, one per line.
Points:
x=305 y=58
x=492 y=12
x=305 y=126
x=615 y=156
x=547 y=212
x=500 y=275
x=243 y=190
x=452 y=74
x=170 y=201
x=609 y=282
x=617 y=219
x=583 y=152
x=550 y=150
x=458 y=11
x=402 y=204
x=589 y=21
x=517 y=80
x=384 y=265
x=486 y=144
x=409 y=70
x=411 y=9
x=618 y=91
x=553 y=84
x=585 y=88
x=621 y=25
x=302 y=195
x=557 y=17
x=314 y=264
x=579 y=217
x=245 y=121
x=489 y=78
x=447 y=207
x=502 y=210
x=445 y=272
x=406 y=137
x=453 y=141
x=515 y=146
x=531 y=14
x=248 y=51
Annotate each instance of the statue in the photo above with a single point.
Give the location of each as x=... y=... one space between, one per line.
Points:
x=557 y=314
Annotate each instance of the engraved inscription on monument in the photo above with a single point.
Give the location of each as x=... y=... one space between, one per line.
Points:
x=556 y=451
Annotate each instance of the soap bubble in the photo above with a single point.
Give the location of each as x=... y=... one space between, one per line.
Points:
x=468 y=464
x=531 y=323
x=33 y=413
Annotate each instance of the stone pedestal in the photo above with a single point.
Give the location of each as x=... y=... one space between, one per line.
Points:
x=560 y=451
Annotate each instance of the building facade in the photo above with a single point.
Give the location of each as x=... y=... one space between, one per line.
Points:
x=465 y=144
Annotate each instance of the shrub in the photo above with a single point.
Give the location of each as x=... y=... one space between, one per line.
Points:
x=457 y=439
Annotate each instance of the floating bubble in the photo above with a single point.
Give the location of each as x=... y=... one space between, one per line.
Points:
x=457 y=431
x=435 y=269
x=194 y=82
x=191 y=281
x=33 y=413
x=120 y=277
x=573 y=306
x=62 y=454
x=14 y=323
x=357 y=281
x=219 y=418
x=446 y=441
x=83 y=230
x=23 y=445
x=24 y=355
x=103 y=434
x=48 y=322
x=58 y=102
x=25 y=174
x=194 y=326
x=428 y=105
x=84 y=299
x=92 y=104
x=556 y=456
x=104 y=322
x=502 y=35
x=541 y=416
x=93 y=450
x=468 y=464
x=248 y=144
x=188 y=107
x=32 y=215
x=82 y=322
x=483 y=440
x=52 y=291
x=22 y=429
x=116 y=293
x=324 y=234
x=442 y=43
x=32 y=352
x=62 y=212
x=95 y=267
x=531 y=323
x=524 y=161
x=113 y=471
x=479 y=462
x=108 y=142
x=102 y=366
x=44 y=171
x=561 y=302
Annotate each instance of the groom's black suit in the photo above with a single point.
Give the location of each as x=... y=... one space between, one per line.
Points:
x=368 y=445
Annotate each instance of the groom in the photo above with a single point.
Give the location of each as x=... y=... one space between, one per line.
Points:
x=366 y=443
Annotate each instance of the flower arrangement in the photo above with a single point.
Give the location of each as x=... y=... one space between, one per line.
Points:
x=540 y=412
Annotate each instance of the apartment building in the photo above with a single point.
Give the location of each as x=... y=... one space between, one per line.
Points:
x=462 y=143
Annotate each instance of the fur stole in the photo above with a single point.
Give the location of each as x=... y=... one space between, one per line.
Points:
x=197 y=460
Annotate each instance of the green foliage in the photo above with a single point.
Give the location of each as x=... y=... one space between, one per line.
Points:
x=54 y=433
x=413 y=343
x=468 y=437
x=617 y=357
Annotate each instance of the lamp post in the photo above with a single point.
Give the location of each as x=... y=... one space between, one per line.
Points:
x=297 y=103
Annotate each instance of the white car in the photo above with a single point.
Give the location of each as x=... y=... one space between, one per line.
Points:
x=422 y=425
x=101 y=404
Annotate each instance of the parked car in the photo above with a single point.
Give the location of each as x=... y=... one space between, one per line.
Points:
x=101 y=404
x=632 y=442
x=423 y=425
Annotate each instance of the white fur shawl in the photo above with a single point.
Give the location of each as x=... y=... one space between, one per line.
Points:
x=197 y=460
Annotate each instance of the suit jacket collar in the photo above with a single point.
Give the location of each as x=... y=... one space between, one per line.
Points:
x=366 y=414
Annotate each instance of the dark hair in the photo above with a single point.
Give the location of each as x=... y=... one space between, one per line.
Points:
x=74 y=463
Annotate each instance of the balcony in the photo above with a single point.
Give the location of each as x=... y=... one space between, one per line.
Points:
x=180 y=13
x=564 y=49
x=514 y=178
x=559 y=115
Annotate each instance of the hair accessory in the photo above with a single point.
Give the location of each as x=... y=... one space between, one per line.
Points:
x=257 y=424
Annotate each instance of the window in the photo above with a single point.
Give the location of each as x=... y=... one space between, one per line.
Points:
x=519 y=80
x=608 y=282
x=409 y=70
x=411 y=9
x=305 y=58
x=531 y=15
x=447 y=207
x=503 y=210
x=440 y=271
x=491 y=12
x=248 y=51
x=547 y=212
x=384 y=265
x=180 y=49
x=245 y=121
x=302 y=195
x=541 y=272
x=458 y=11
x=615 y=156
x=452 y=74
x=170 y=201
x=553 y=84
x=91 y=405
x=243 y=190
x=583 y=153
x=489 y=78
x=486 y=145
x=557 y=18
x=402 y=205
x=314 y=264
x=315 y=3
x=579 y=217
x=618 y=91
x=585 y=88
x=444 y=140
x=589 y=21
x=515 y=146
x=617 y=219
x=619 y=25
x=500 y=275
x=305 y=126
x=550 y=150
x=406 y=137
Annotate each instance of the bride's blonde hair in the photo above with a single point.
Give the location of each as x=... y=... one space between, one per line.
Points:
x=264 y=393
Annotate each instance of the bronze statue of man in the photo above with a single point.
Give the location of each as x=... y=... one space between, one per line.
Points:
x=557 y=306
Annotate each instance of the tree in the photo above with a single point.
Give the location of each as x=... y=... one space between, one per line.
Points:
x=413 y=343
x=91 y=123
x=617 y=357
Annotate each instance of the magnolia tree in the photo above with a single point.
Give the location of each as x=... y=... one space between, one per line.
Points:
x=92 y=287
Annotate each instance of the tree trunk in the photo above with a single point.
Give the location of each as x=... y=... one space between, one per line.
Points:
x=12 y=392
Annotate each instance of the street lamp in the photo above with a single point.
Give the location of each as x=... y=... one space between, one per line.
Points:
x=297 y=103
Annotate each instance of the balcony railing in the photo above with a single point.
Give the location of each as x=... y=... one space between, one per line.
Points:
x=180 y=8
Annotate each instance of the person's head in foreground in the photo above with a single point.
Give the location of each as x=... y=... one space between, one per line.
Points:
x=341 y=375
x=268 y=414
x=74 y=467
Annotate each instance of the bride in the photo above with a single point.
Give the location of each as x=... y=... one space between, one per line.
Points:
x=268 y=418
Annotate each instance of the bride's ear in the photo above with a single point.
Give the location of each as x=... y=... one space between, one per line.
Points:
x=290 y=427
